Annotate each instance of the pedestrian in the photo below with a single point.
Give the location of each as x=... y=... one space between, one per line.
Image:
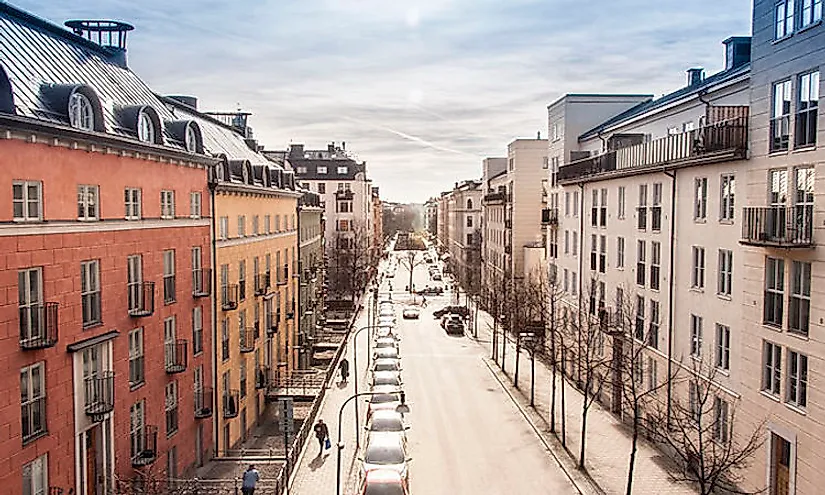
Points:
x=344 y=370
x=423 y=301
x=250 y=479
x=322 y=434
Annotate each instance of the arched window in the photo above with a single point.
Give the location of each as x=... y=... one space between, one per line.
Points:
x=81 y=112
x=469 y=204
x=191 y=139
x=146 y=128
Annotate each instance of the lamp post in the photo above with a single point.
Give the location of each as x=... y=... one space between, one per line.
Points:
x=403 y=408
x=355 y=364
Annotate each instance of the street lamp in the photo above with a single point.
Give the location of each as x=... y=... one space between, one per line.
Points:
x=355 y=364
x=403 y=408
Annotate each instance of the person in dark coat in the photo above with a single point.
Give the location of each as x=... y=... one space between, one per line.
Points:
x=321 y=433
x=344 y=370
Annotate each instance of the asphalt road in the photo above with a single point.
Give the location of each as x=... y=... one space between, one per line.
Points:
x=466 y=436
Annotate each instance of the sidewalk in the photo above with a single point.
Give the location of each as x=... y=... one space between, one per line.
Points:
x=608 y=440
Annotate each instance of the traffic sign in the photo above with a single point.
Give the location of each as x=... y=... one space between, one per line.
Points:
x=286 y=419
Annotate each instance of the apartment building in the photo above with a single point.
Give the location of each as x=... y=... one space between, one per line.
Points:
x=781 y=270
x=107 y=344
x=495 y=267
x=431 y=217
x=377 y=225
x=460 y=214
x=311 y=263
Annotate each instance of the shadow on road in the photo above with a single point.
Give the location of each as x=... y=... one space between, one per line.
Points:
x=317 y=462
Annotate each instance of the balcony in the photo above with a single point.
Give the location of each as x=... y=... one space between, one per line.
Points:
x=38 y=326
x=778 y=226
x=203 y=403
x=99 y=395
x=202 y=282
x=145 y=448
x=141 y=299
x=495 y=198
x=176 y=356
x=247 y=342
x=262 y=283
x=344 y=194
x=610 y=321
x=714 y=143
x=229 y=297
x=262 y=378
x=230 y=404
x=550 y=216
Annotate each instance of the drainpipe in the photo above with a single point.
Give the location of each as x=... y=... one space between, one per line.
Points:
x=212 y=184
x=671 y=284
x=701 y=96
x=604 y=141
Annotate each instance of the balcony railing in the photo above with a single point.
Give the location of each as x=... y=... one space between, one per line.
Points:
x=344 y=194
x=550 y=216
x=38 y=326
x=717 y=142
x=247 y=339
x=99 y=395
x=230 y=404
x=262 y=377
x=229 y=297
x=262 y=283
x=202 y=282
x=203 y=403
x=146 y=448
x=141 y=299
x=778 y=226
x=176 y=356
x=499 y=197
x=283 y=275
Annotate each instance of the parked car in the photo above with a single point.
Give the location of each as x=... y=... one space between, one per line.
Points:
x=435 y=290
x=391 y=378
x=386 y=353
x=386 y=365
x=411 y=313
x=385 y=421
x=462 y=311
x=436 y=277
x=385 y=331
x=387 y=321
x=383 y=482
x=387 y=398
x=453 y=324
x=381 y=342
x=386 y=451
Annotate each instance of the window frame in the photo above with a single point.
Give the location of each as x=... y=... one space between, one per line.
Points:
x=171 y=408
x=137 y=428
x=137 y=364
x=167 y=204
x=641 y=262
x=721 y=426
x=197 y=330
x=727 y=196
x=771 y=368
x=620 y=252
x=806 y=113
x=775 y=290
x=34 y=326
x=696 y=331
x=132 y=203
x=33 y=410
x=169 y=277
x=655 y=265
x=724 y=281
x=90 y=292
x=783 y=19
x=223 y=228
x=799 y=298
x=815 y=13
x=195 y=205
x=26 y=202
x=722 y=361
x=37 y=480
x=622 y=203
x=796 y=388
x=780 y=121
x=88 y=200
x=698 y=260
x=700 y=199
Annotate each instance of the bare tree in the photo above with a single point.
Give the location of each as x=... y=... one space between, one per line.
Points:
x=350 y=258
x=410 y=260
x=702 y=434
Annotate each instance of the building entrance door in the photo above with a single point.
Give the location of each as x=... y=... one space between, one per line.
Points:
x=781 y=468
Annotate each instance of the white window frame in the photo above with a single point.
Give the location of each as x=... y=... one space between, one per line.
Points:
x=256 y=225
x=799 y=300
x=137 y=424
x=811 y=12
x=132 y=203
x=137 y=362
x=655 y=265
x=195 y=205
x=35 y=476
x=223 y=228
x=694 y=407
x=700 y=199
x=622 y=203
x=796 y=392
x=169 y=277
x=90 y=297
x=171 y=407
x=774 y=291
x=772 y=368
x=81 y=112
x=197 y=330
x=697 y=278
x=696 y=324
x=343 y=170
x=727 y=196
x=620 y=249
x=28 y=308
x=134 y=279
x=722 y=347
x=783 y=19
x=241 y=225
x=88 y=202
x=26 y=202
x=575 y=246
x=33 y=400
x=721 y=429
x=167 y=205
x=321 y=170
x=724 y=283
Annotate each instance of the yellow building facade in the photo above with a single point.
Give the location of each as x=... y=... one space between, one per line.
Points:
x=256 y=248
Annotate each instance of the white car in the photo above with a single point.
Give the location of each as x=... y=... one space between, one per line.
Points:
x=391 y=378
x=411 y=313
x=386 y=353
x=385 y=331
x=386 y=451
x=386 y=421
x=386 y=364
x=386 y=398
x=382 y=342
x=387 y=321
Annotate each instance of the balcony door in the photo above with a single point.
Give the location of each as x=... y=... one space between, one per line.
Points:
x=134 y=273
x=804 y=203
x=778 y=200
x=30 y=297
x=96 y=465
x=780 y=465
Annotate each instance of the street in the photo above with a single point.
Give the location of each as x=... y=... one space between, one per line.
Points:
x=466 y=435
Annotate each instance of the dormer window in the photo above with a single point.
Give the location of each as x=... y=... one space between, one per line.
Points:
x=322 y=170
x=81 y=112
x=342 y=170
x=191 y=139
x=146 y=128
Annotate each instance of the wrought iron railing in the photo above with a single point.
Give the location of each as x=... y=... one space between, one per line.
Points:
x=202 y=282
x=203 y=402
x=176 y=356
x=99 y=395
x=38 y=326
x=229 y=297
x=146 y=448
x=141 y=299
x=780 y=226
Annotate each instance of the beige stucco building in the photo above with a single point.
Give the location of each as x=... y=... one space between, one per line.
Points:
x=459 y=232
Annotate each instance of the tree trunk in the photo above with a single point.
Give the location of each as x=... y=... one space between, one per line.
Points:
x=563 y=408
x=533 y=379
x=553 y=363
x=583 y=439
x=518 y=358
x=503 y=349
x=633 y=445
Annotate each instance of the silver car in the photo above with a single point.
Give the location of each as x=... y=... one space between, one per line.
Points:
x=386 y=451
x=386 y=365
x=383 y=342
x=388 y=422
x=386 y=352
x=392 y=378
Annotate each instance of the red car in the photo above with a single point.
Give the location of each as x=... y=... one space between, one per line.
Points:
x=383 y=482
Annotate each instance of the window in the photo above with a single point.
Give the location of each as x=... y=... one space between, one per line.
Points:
x=640 y=263
x=344 y=206
x=807 y=107
x=343 y=225
x=696 y=336
x=256 y=225
x=594 y=209
x=300 y=170
x=575 y=203
x=267 y=224
x=693 y=401
x=656 y=208
x=225 y=339
x=171 y=408
x=223 y=228
x=197 y=330
x=620 y=253
x=723 y=347
x=146 y=128
x=697 y=279
x=783 y=19
x=242 y=373
x=641 y=209
x=87 y=202
x=700 y=198
x=30 y=300
x=556 y=131
x=566 y=242
x=593 y=252
x=621 y=203
x=169 y=337
x=781 y=116
x=772 y=361
x=797 y=392
x=566 y=280
x=137 y=420
x=639 y=330
x=655 y=263
x=90 y=292
x=167 y=204
x=33 y=401
x=574 y=284
x=321 y=170
x=36 y=476
x=131 y=202
x=242 y=280
x=195 y=205
x=81 y=113
x=575 y=243
x=241 y=225
x=724 y=283
x=653 y=330
x=603 y=209
x=726 y=202
x=720 y=420
x=469 y=221
x=469 y=239
x=799 y=317
x=602 y=254
x=638 y=373
x=134 y=280
x=27 y=201
x=652 y=374
x=566 y=204
x=136 y=374
x=774 y=291
x=169 y=276
x=811 y=12
x=322 y=188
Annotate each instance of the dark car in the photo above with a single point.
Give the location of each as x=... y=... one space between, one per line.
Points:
x=458 y=310
x=430 y=291
x=453 y=324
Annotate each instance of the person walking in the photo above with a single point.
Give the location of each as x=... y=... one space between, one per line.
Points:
x=344 y=366
x=250 y=479
x=322 y=434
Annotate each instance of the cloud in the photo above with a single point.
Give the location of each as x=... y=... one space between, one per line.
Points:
x=423 y=89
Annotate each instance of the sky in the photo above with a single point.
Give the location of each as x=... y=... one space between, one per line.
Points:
x=422 y=90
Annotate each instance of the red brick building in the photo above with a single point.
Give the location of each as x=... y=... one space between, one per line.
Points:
x=105 y=249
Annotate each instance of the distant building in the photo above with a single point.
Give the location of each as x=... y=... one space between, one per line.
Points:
x=311 y=273
x=459 y=212
x=431 y=217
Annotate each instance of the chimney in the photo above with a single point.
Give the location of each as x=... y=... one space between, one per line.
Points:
x=695 y=76
x=296 y=150
x=110 y=35
x=538 y=135
x=343 y=146
x=331 y=147
x=737 y=51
